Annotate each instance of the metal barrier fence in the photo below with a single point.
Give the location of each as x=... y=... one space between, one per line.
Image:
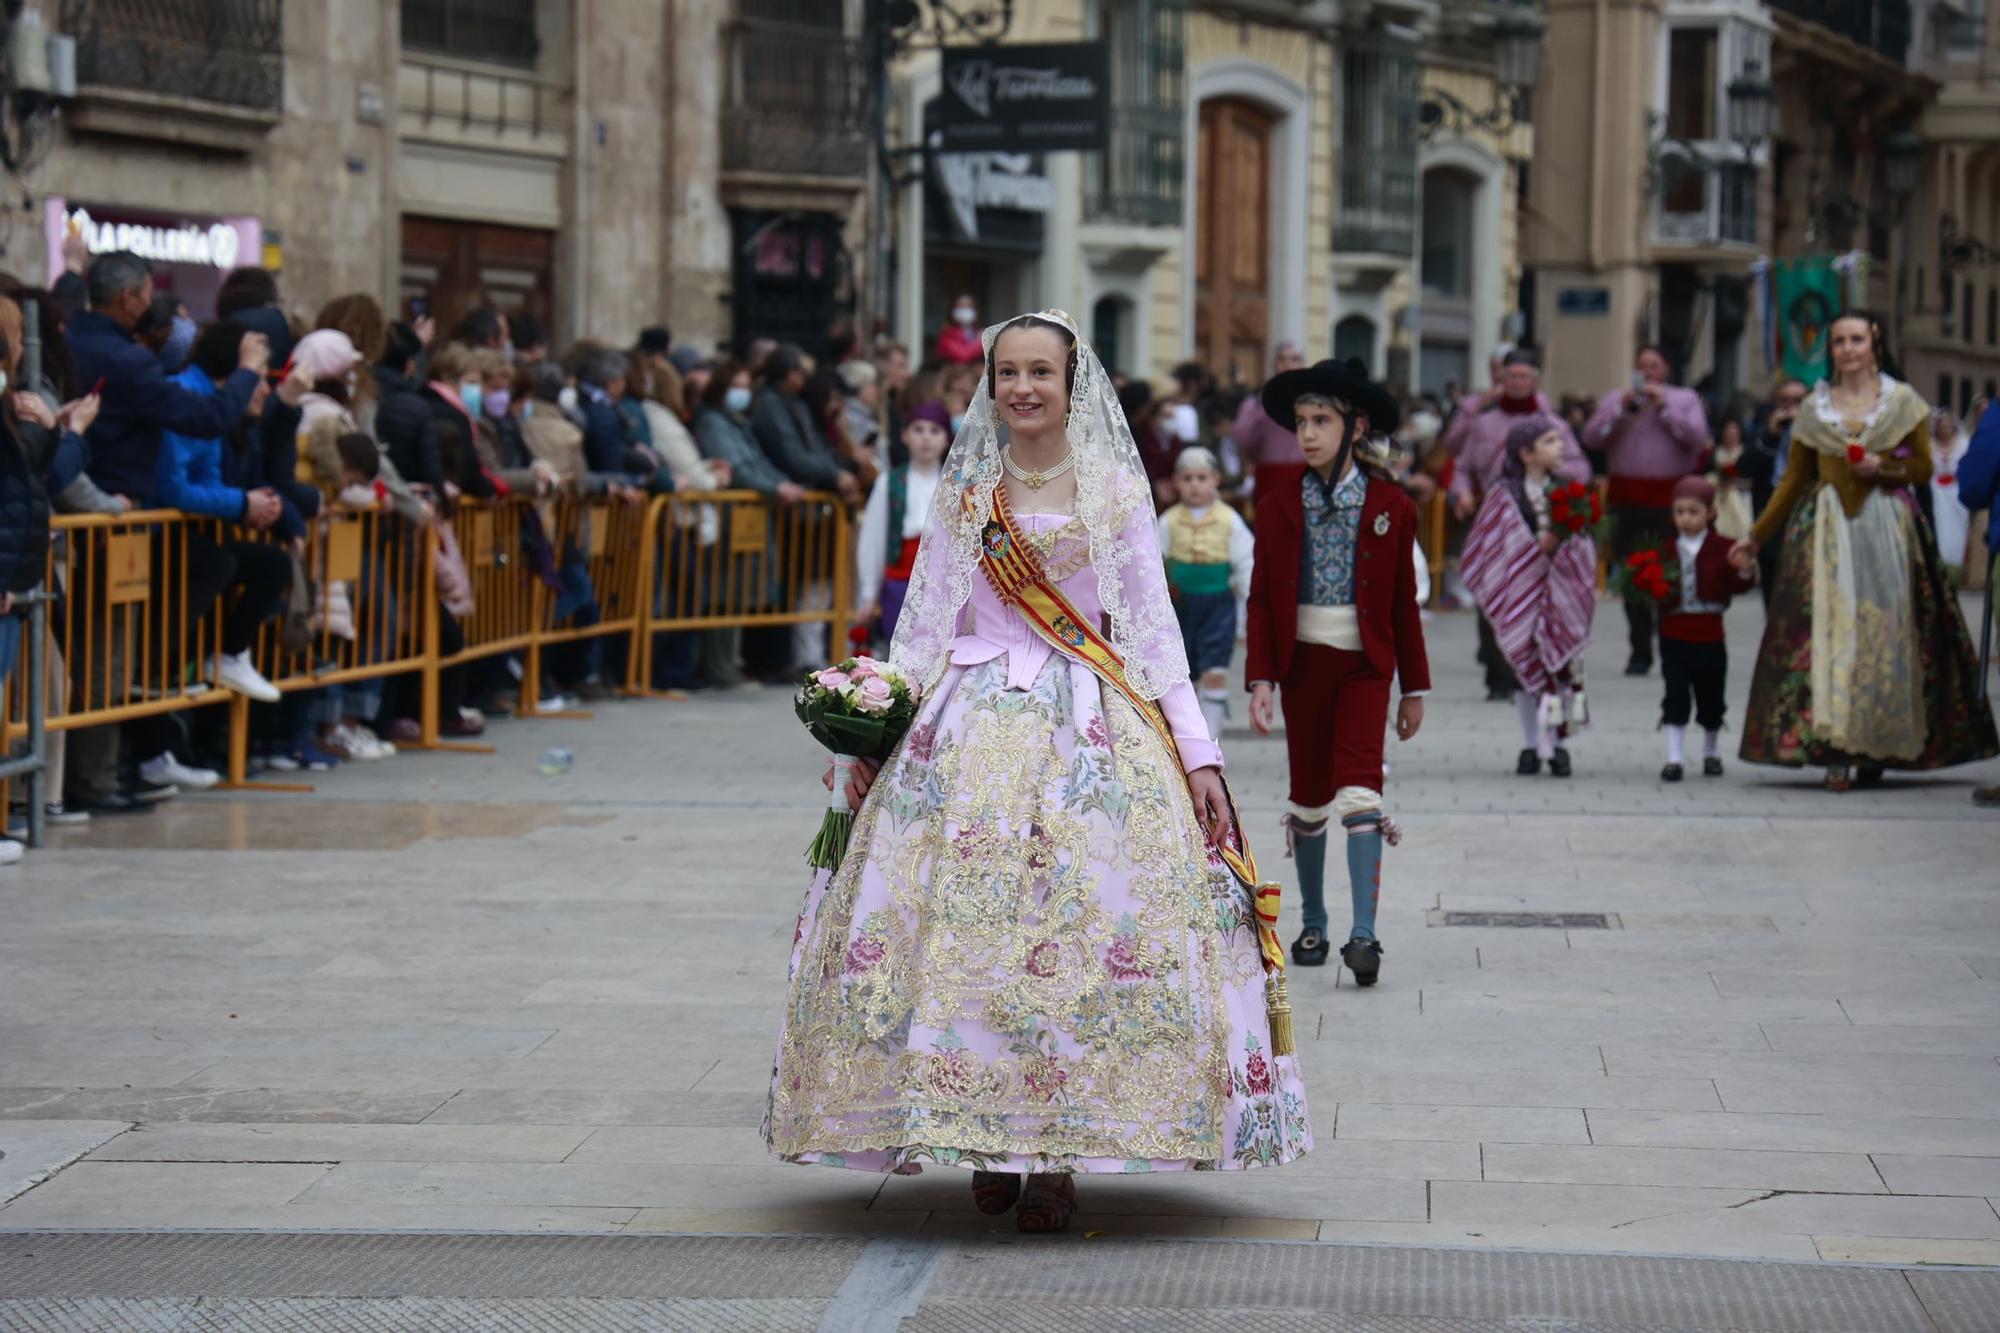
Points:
x=116 y=639
x=729 y=560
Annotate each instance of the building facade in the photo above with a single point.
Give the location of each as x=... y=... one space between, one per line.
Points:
x=604 y=164
x=1657 y=201
x=1265 y=183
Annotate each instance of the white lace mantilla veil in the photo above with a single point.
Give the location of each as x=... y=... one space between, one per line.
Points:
x=1113 y=500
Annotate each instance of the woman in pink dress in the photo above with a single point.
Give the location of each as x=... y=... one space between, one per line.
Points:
x=1031 y=964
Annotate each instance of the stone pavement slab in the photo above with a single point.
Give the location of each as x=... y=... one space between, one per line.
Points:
x=449 y=994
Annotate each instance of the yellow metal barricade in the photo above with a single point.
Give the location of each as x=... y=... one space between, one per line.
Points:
x=1436 y=523
x=371 y=579
x=126 y=643
x=733 y=559
x=608 y=539
x=488 y=538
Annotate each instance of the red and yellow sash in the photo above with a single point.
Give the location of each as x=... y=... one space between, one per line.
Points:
x=1018 y=580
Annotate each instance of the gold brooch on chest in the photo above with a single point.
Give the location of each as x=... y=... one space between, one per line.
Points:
x=1382 y=524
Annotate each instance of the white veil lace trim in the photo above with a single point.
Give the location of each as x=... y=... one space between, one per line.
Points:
x=1113 y=501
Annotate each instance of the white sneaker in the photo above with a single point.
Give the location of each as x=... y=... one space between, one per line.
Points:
x=164 y=770
x=233 y=671
x=10 y=851
x=383 y=749
x=359 y=742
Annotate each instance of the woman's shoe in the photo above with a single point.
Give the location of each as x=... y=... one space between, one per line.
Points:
x=1047 y=1204
x=1559 y=763
x=1528 y=764
x=1672 y=773
x=1311 y=947
x=1364 y=959
x=994 y=1192
x=1711 y=767
x=1838 y=779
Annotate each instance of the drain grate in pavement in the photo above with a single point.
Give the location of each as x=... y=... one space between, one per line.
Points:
x=1531 y=920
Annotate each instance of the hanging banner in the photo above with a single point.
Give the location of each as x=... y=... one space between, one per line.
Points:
x=1808 y=290
x=1042 y=98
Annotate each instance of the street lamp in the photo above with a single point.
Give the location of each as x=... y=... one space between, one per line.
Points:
x=1517 y=58
x=1902 y=157
x=1753 y=102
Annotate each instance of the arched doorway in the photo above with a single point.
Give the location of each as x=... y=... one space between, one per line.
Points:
x=1233 y=239
x=1354 y=340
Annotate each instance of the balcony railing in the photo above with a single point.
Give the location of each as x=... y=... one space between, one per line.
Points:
x=796 y=102
x=1141 y=176
x=1375 y=206
x=1716 y=207
x=1883 y=26
x=229 y=52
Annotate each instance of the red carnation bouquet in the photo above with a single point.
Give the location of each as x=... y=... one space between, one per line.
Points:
x=1647 y=574
x=1575 y=509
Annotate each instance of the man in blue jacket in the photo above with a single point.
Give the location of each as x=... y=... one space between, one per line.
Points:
x=194 y=476
x=1979 y=488
x=139 y=404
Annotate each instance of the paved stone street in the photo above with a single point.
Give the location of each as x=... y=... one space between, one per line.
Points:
x=451 y=994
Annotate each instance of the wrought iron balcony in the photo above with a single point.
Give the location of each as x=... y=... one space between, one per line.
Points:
x=1717 y=206
x=796 y=102
x=1883 y=26
x=1375 y=202
x=229 y=52
x=1140 y=177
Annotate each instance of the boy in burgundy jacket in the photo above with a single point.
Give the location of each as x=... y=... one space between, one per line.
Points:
x=1693 y=655
x=1332 y=616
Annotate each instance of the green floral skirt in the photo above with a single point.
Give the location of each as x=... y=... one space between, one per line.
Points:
x=1778 y=721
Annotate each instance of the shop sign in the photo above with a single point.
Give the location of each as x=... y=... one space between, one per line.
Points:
x=1040 y=98
x=971 y=182
x=215 y=244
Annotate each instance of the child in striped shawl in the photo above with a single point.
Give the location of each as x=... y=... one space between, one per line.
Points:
x=1538 y=586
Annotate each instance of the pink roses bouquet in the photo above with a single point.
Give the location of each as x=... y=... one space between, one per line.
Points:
x=858 y=709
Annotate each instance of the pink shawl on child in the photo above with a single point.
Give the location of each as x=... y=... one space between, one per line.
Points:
x=1540 y=605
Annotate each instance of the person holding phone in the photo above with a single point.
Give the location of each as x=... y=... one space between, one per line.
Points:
x=1651 y=434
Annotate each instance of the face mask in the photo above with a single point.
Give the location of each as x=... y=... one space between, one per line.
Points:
x=470 y=395
x=180 y=342
x=496 y=403
x=527 y=410
x=965 y=314
x=736 y=400
x=566 y=399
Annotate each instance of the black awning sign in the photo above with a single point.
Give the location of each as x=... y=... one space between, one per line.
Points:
x=1042 y=98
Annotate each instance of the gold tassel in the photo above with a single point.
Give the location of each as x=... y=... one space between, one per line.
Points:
x=1278 y=1009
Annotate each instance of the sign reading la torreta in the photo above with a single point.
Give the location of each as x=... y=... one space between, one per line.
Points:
x=1040 y=98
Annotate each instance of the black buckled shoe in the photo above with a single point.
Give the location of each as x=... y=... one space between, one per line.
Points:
x=1363 y=959
x=1711 y=766
x=1559 y=763
x=1311 y=947
x=1528 y=764
x=1672 y=773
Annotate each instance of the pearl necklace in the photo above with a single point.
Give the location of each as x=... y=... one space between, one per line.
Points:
x=1036 y=480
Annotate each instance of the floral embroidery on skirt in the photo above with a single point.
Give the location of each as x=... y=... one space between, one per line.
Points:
x=1028 y=961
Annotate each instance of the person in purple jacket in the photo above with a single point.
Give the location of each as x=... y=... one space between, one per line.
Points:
x=1651 y=434
x=1979 y=488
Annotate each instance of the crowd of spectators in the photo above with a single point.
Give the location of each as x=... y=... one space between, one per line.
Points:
x=265 y=421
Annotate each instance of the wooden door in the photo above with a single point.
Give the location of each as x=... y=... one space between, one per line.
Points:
x=1232 y=302
x=455 y=266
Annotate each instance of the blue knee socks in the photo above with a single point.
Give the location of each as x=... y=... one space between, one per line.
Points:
x=1364 y=869
x=1309 y=849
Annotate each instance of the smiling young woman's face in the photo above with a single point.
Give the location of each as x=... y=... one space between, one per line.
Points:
x=1029 y=386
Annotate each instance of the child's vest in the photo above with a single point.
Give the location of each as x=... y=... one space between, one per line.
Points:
x=1197 y=551
x=899 y=555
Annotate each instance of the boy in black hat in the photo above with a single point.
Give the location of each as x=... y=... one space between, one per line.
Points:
x=1332 y=616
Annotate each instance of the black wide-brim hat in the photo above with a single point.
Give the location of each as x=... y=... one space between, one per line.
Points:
x=1343 y=381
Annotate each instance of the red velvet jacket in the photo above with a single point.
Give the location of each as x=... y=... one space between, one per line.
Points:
x=1385 y=580
x=1715 y=580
